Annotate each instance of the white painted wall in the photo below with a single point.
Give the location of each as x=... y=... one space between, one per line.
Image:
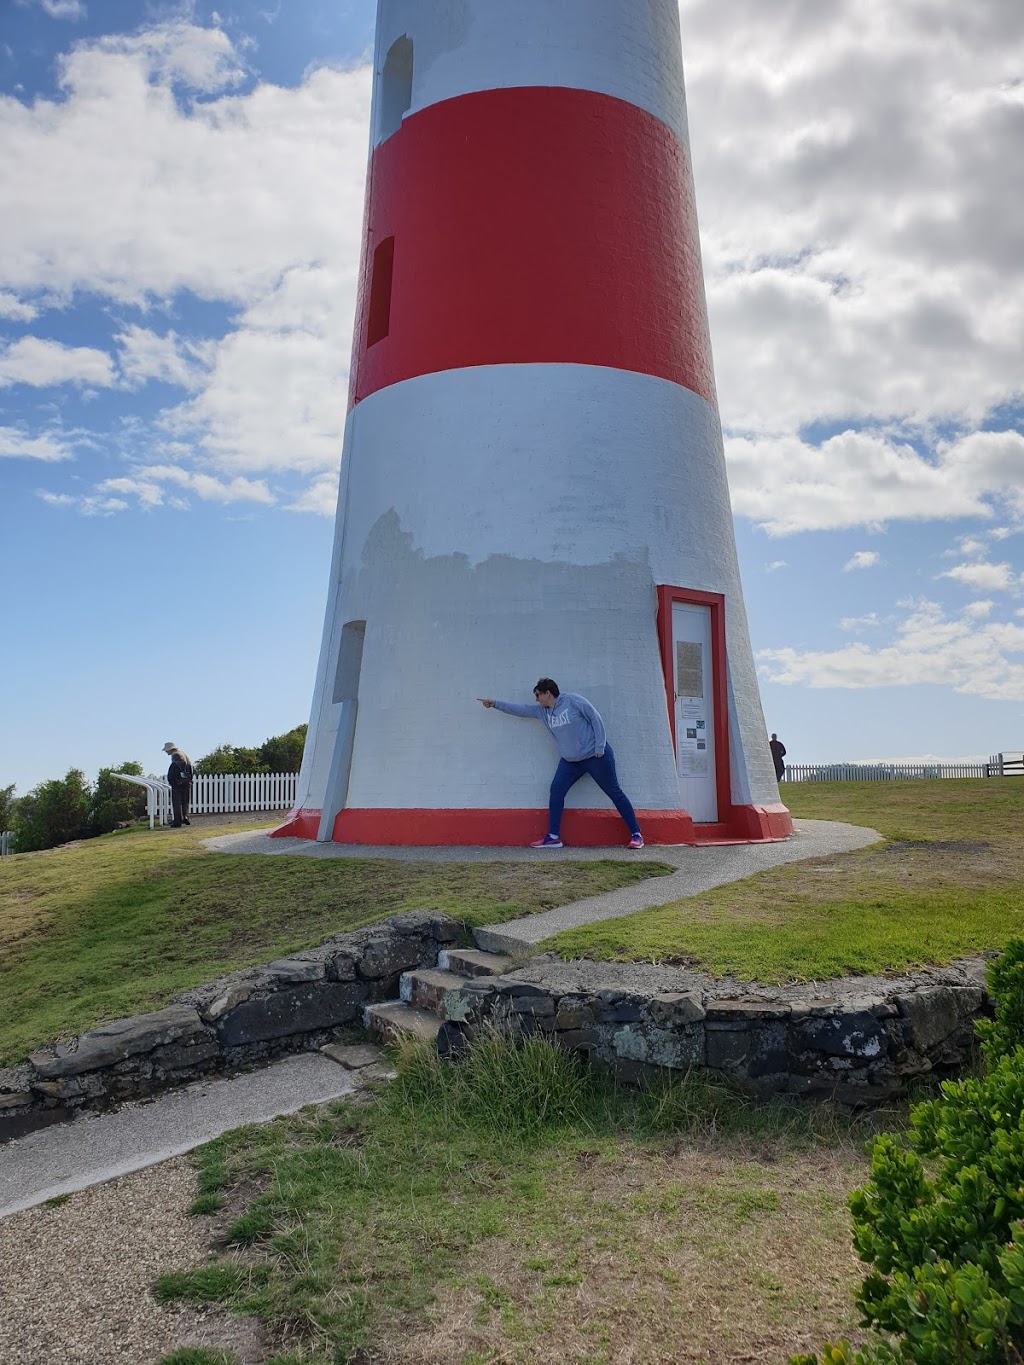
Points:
x=502 y=522
x=625 y=48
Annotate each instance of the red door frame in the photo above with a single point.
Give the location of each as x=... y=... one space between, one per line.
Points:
x=667 y=595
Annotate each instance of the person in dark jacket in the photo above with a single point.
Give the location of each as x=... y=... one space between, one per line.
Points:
x=179 y=776
x=778 y=754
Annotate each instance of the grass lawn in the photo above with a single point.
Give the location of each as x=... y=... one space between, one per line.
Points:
x=518 y=1208
x=948 y=881
x=119 y=924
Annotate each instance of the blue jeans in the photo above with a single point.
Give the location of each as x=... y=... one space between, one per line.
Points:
x=602 y=770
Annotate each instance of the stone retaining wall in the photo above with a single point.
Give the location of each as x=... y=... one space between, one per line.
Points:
x=860 y=1045
x=858 y=1040
x=247 y=1017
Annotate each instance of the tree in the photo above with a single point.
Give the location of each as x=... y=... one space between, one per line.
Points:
x=7 y=804
x=116 y=803
x=226 y=758
x=53 y=813
x=283 y=753
x=278 y=754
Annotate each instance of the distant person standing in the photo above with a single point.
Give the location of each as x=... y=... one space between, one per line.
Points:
x=778 y=754
x=578 y=731
x=179 y=776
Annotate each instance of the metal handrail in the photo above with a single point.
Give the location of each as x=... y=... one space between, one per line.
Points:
x=158 y=795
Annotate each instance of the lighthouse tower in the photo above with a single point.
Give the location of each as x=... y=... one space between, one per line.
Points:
x=532 y=480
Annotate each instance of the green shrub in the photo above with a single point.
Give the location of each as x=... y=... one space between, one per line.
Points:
x=278 y=754
x=940 y=1221
x=115 y=802
x=53 y=813
x=1001 y=1035
x=7 y=804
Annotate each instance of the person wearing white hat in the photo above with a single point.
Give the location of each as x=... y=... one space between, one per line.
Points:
x=179 y=776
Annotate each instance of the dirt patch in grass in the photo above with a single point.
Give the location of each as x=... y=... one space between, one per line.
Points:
x=24 y=916
x=659 y=1258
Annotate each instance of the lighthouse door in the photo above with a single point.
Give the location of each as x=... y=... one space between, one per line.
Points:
x=694 y=710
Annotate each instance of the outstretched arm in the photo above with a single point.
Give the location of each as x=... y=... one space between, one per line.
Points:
x=512 y=708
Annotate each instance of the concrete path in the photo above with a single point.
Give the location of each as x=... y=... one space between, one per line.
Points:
x=98 y=1147
x=697 y=871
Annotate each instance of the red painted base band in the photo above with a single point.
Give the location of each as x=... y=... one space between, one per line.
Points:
x=762 y=822
x=517 y=828
x=301 y=824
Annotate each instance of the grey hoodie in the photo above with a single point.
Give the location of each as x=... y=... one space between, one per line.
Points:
x=574 y=725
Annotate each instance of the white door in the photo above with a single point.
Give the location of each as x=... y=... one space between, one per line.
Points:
x=694 y=711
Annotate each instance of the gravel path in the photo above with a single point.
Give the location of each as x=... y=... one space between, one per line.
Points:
x=75 y=1277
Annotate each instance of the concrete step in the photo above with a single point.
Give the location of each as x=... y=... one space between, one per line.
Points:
x=474 y=962
x=395 y=1017
x=427 y=987
x=502 y=942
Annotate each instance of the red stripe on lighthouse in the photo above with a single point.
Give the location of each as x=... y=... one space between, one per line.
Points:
x=531 y=225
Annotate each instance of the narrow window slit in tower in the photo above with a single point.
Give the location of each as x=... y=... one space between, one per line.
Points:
x=395 y=97
x=379 y=321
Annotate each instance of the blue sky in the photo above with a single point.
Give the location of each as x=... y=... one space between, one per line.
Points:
x=178 y=253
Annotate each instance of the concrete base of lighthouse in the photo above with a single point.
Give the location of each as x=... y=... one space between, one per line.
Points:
x=516 y=828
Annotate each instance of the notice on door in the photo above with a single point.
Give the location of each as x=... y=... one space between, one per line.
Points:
x=691 y=737
x=691 y=716
x=689 y=669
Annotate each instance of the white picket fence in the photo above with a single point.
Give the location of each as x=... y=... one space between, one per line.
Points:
x=221 y=793
x=892 y=772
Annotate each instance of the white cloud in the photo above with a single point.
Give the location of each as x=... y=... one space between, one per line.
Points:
x=320 y=497
x=41 y=363
x=202 y=59
x=928 y=648
x=14 y=309
x=144 y=355
x=775 y=565
x=221 y=198
x=863 y=559
x=977 y=611
x=856 y=478
x=16 y=444
x=64 y=9
x=146 y=485
x=148 y=492
x=252 y=199
x=880 y=278
x=967 y=546
x=89 y=506
x=987 y=577
x=274 y=396
x=855 y=623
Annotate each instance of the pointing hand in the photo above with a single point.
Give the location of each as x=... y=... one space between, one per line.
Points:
x=486 y=701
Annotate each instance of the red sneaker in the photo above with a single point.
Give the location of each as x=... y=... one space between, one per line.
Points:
x=637 y=841
x=549 y=841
